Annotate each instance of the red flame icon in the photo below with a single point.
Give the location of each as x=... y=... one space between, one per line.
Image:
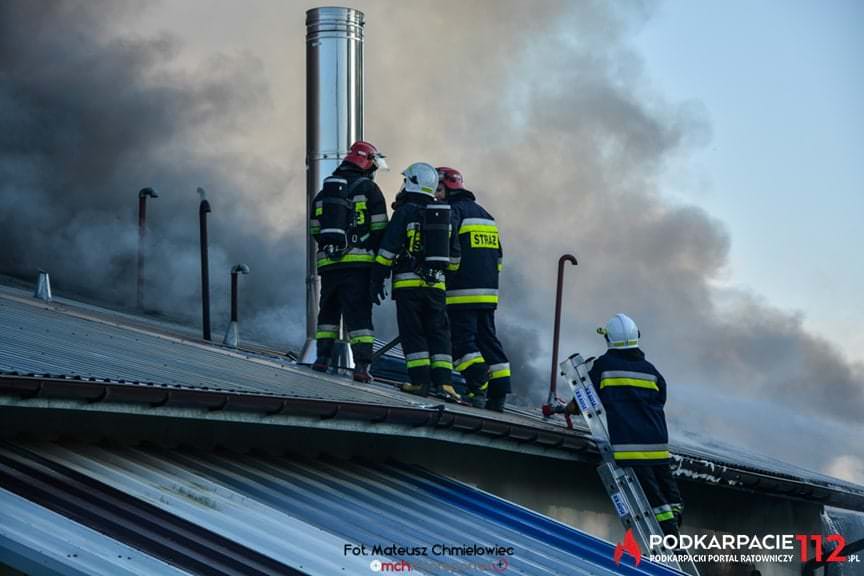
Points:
x=630 y=546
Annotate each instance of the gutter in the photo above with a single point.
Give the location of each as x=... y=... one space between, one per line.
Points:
x=160 y=400
x=432 y=421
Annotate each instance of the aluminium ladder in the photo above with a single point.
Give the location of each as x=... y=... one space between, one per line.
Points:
x=630 y=502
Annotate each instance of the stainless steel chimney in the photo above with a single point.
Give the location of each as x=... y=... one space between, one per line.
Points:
x=334 y=120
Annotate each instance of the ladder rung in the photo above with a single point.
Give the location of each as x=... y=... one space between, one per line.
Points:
x=621 y=484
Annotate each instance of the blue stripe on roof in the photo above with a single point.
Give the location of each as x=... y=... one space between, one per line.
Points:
x=525 y=521
x=302 y=512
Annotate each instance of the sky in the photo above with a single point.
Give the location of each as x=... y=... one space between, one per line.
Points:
x=782 y=84
x=700 y=159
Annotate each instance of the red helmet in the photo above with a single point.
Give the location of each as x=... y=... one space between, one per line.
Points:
x=364 y=155
x=450 y=178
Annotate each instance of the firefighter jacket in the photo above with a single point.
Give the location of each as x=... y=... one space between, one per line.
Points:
x=633 y=393
x=370 y=220
x=402 y=241
x=472 y=277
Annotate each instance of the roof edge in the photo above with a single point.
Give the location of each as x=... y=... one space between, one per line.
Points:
x=430 y=423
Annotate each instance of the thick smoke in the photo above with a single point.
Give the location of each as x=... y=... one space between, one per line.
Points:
x=89 y=118
x=545 y=108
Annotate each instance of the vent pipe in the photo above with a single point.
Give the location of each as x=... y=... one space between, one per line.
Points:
x=232 y=335
x=43 y=287
x=203 y=210
x=143 y=194
x=334 y=119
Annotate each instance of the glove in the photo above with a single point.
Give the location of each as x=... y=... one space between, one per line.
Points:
x=377 y=293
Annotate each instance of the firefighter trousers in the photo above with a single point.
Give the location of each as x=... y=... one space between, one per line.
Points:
x=345 y=296
x=478 y=353
x=424 y=331
x=662 y=492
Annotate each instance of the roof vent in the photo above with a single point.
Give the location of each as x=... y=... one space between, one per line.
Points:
x=43 y=287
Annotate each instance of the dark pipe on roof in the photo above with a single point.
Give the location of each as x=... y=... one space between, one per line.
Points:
x=143 y=194
x=203 y=210
x=553 y=379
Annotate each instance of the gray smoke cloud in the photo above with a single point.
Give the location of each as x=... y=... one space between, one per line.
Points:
x=545 y=108
x=89 y=118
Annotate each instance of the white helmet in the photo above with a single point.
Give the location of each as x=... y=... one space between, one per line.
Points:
x=420 y=177
x=621 y=332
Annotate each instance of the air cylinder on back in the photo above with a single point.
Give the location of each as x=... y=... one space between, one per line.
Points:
x=436 y=236
x=336 y=215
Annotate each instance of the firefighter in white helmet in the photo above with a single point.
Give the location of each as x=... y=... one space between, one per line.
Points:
x=634 y=394
x=416 y=248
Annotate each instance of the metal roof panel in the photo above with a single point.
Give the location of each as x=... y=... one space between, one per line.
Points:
x=80 y=342
x=302 y=513
x=38 y=541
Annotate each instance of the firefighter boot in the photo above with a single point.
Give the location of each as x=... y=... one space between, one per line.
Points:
x=477 y=398
x=321 y=365
x=361 y=373
x=449 y=393
x=418 y=389
x=477 y=393
x=496 y=403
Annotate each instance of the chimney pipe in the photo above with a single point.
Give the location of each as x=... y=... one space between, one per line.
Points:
x=203 y=210
x=143 y=194
x=232 y=335
x=334 y=120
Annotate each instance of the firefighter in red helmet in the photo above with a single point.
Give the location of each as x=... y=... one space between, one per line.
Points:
x=350 y=215
x=472 y=295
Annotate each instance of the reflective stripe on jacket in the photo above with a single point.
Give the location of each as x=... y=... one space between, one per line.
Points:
x=634 y=395
x=370 y=210
x=472 y=277
x=399 y=239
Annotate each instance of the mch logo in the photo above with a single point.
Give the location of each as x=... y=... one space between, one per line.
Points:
x=400 y=566
x=630 y=546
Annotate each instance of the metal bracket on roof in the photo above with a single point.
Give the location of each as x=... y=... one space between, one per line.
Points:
x=221 y=406
x=280 y=410
x=435 y=407
x=37 y=392
x=383 y=417
x=164 y=401
x=106 y=391
x=337 y=408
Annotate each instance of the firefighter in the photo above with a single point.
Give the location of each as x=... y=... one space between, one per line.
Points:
x=634 y=393
x=350 y=215
x=472 y=295
x=416 y=248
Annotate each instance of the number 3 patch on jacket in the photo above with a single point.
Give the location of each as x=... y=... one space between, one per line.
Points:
x=484 y=239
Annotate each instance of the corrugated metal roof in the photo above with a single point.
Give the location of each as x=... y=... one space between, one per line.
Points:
x=41 y=341
x=58 y=341
x=303 y=513
x=70 y=341
x=38 y=541
x=121 y=516
x=851 y=526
